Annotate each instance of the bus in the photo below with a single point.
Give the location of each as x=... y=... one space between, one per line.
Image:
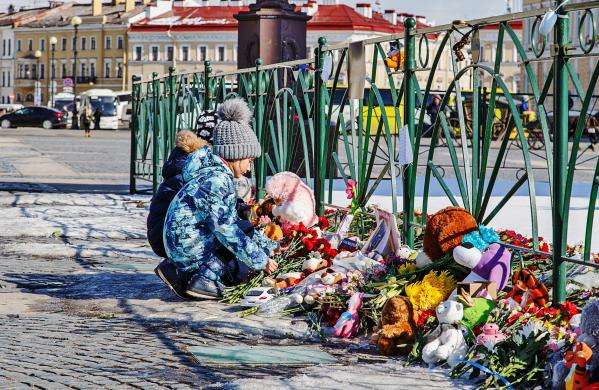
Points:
x=104 y=100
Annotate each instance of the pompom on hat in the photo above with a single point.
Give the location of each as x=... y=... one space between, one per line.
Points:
x=233 y=137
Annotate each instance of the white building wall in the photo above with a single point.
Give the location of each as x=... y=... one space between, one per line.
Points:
x=7 y=64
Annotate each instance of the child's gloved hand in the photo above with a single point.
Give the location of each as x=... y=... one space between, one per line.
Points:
x=271 y=266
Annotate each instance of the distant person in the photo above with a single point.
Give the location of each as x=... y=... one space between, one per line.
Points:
x=97 y=116
x=86 y=120
x=433 y=110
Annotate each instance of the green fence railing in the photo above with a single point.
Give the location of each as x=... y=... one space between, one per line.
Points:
x=315 y=117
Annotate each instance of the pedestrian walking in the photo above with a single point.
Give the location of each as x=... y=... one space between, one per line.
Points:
x=202 y=219
x=97 y=116
x=86 y=120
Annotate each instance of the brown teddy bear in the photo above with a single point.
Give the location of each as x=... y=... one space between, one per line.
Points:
x=397 y=326
x=445 y=230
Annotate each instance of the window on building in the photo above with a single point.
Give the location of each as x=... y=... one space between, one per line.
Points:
x=26 y=73
x=83 y=43
x=119 y=70
x=108 y=43
x=92 y=43
x=42 y=71
x=18 y=45
x=63 y=70
x=19 y=97
x=202 y=53
x=20 y=71
x=4 y=48
x=137 y=55
x=92 y=69
x=107 y=69
x=83 y=70
x=154 y=53
x=34 y=71
x=42 y=44
x=120 y=42
x=170 y=53
x=30 y=45
x=220 y=54
x=64 y=44
x=9 y=47
x=184 y=53
x=53 y=71
x=8 y=80
x=3 y=81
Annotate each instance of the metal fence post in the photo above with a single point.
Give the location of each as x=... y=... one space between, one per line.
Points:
x=133 y=129
x=408 y=176
x=207 y=70
x=172 y=120
x=560 y=151
x=259 y=163
x=320 y=128
x=155 y=131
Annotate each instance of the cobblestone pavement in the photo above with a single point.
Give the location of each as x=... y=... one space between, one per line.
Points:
x=80 y=307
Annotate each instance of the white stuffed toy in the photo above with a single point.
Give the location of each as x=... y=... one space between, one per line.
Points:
x=294 y=199
x=449 y=343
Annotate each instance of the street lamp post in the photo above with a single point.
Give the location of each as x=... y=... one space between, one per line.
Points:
x=75 y=22
x=36 y=88
x=53 y=41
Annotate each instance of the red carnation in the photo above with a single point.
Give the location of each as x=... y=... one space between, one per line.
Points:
x=423 y=317
x=323 y=223
x=568 y=309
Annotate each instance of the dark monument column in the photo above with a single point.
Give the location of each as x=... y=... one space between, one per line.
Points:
x=271 y=30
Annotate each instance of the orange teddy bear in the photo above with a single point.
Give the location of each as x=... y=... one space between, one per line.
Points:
x=445 y=231
x=397 y=326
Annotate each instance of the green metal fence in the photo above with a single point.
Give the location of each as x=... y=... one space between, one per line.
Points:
x=309 y=120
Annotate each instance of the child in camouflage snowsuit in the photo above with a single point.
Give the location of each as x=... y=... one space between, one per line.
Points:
x=203 y=216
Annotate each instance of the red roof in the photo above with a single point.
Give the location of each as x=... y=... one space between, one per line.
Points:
x=220 y=18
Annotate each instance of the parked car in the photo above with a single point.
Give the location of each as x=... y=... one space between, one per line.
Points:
x=35 y=117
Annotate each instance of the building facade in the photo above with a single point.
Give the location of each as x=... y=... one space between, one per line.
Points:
x=186 y=34
x=8 y=22
x=43 y=68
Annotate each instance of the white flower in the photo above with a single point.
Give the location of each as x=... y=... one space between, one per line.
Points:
x=490 y=345
x=517 y=339
x=531 y=328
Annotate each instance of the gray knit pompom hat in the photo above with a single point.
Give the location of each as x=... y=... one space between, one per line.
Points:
x=233 y=137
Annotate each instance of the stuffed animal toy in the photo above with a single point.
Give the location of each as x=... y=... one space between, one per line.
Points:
x=330 y=277
x=493 y=265
x=589 y=325
x=294 y=200
x=289 y=279
x=273 y=231
x=397 y=326
x=477 y=313
x=313 y=264
x=527 y=289
x=395 y=59
x=576 y=361
x=448 y=343
x=445 y=230
x=491 y=335
x=348 y=323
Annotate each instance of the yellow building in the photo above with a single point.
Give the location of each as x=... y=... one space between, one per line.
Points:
x=88 y=41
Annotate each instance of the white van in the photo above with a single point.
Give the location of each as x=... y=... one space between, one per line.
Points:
x=124 y=105
x=61 y=100
x=104 y=100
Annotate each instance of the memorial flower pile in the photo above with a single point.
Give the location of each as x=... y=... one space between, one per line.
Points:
x=461 y=301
